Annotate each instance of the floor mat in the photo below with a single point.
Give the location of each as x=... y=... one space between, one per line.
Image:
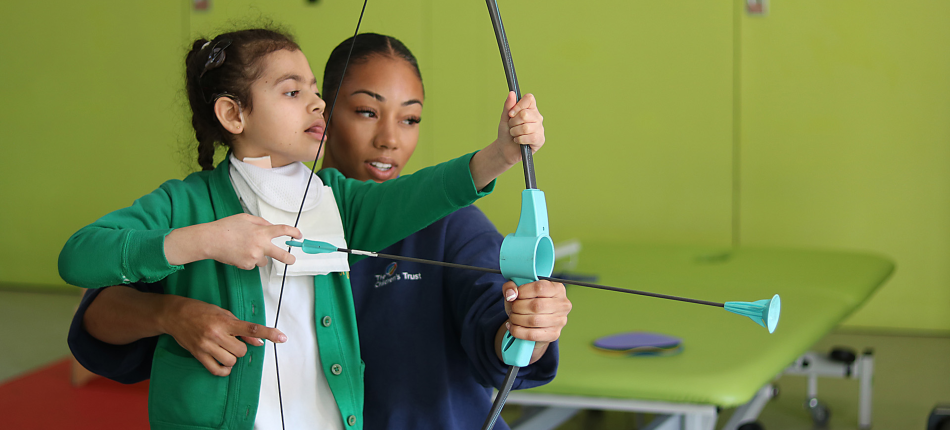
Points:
x=44 y=399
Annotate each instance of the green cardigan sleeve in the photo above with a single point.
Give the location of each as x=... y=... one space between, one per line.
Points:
x=376 y=215
x=125 y=246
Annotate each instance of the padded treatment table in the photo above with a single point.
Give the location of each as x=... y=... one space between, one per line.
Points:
x=727 y=359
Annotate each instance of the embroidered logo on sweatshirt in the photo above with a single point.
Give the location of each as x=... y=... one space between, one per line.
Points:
x=392 y=275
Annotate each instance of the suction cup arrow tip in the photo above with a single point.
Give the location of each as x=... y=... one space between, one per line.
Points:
x=764 y=312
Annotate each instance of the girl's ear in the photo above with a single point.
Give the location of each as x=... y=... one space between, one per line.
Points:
x=230 y=114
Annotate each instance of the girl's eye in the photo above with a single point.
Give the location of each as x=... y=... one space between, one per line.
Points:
x=412 y=120
x=292 y=93
x=366 y=113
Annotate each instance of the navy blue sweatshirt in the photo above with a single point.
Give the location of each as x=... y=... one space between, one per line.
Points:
x=426 y=332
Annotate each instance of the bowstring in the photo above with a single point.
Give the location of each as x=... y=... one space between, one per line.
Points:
x=313 y=168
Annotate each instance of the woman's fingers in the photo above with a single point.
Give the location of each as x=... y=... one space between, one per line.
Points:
x=212 y=364
x=256 y=331
x=234 y=347
x=547 y=334
x=541 y=289
x=252 y=340
x=543 y=305
x=538 y=310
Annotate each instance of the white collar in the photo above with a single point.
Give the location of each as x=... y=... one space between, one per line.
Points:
x=281 y=187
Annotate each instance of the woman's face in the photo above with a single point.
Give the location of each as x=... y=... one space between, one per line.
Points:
x=375 y=125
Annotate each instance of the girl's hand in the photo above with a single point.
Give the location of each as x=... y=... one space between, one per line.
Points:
x=521 y=124
x=240 y=240
x=536 y=311
x=211 y=333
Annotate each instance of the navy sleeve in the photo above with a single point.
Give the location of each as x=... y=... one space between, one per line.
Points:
x=476 y=300
x=127 y=364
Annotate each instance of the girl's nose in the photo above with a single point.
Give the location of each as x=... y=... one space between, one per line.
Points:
x=317 y=105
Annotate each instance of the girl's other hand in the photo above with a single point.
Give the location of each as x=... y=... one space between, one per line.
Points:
x=211 y=333
x=521 y=124
x=242 y=240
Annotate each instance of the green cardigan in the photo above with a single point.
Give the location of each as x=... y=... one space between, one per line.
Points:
x=128 y=246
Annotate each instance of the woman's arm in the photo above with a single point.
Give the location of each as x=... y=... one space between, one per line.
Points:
x=476 y=301
x=122 y=315
x=129 y=363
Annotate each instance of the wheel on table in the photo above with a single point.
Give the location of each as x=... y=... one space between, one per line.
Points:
x=820 y=414
x=751 y=426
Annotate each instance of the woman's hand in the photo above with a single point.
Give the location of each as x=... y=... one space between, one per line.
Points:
x=240 y=240
x=536 y=311
x=521 y=124
x=211 y=333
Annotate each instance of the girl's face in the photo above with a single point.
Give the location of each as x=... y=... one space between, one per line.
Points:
x=286 y=120
x=375 y=125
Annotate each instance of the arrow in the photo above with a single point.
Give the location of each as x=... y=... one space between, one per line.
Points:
x=763 y=312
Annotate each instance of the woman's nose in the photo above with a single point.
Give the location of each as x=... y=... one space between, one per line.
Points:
x=386 y=137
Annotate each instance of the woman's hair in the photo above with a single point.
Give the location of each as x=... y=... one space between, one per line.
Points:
x=367 y=45
x=225 y=66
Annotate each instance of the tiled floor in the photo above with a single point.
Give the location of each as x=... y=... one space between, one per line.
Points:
x=35 y=327
x=912 y=373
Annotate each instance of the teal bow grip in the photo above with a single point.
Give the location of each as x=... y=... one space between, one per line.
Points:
x=526 y=255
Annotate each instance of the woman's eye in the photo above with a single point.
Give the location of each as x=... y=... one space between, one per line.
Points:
x=366 y=113
x=292 y=93
x=412 y=121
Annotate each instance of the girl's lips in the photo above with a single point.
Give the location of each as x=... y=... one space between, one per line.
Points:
x=316 y=132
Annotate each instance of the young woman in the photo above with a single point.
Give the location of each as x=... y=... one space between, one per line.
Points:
x=430 y=337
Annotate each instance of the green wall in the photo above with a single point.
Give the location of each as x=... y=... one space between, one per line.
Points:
x=820 y=125
x=845 y=142
x=89 y=119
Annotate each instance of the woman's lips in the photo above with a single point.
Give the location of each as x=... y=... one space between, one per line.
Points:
x=380 y=170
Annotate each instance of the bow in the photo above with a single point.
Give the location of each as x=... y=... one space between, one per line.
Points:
x=528 y=254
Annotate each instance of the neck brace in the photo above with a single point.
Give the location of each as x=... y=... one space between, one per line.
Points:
x=274 y=194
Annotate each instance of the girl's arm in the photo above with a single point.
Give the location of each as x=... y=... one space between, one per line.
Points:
x=141 y=242
x=521 y=124
x=412 y=202
x=241 y=240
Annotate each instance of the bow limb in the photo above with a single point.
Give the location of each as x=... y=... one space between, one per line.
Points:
x=527 y=254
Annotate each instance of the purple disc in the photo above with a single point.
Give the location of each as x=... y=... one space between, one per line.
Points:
x=636 y=339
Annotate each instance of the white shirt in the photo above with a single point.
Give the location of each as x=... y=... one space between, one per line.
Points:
x=274 y=194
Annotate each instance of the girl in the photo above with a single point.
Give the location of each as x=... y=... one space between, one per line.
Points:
x=253 y=91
